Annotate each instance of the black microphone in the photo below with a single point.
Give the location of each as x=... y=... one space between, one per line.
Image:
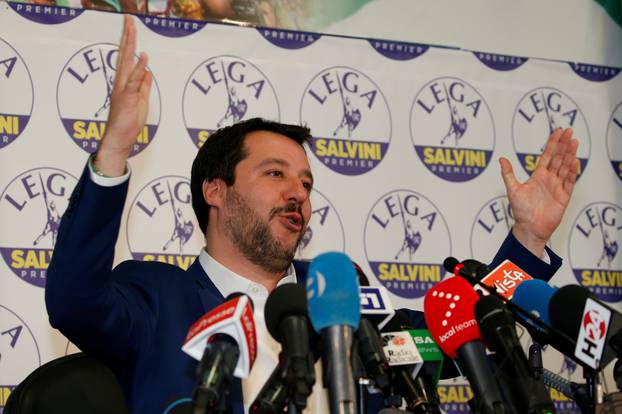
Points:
x=287 y=321
x=576 y=392
x=497 y=325
x=596 y=327
x=420 y=393
x=272 y=398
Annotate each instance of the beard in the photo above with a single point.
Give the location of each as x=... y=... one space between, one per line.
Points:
x=253 y=237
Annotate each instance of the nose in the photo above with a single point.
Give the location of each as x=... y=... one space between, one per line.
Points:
x=296 y=191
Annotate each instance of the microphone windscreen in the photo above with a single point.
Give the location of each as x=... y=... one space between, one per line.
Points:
x=449 y=314
x=237 y=295
x=285 y=300
x=535 y=296
x=566 y=309
x=333 y=292
x=450 y=264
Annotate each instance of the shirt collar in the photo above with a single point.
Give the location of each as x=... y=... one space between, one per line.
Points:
x=228 y=282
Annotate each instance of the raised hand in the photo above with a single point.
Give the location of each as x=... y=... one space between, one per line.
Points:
x=129 y=105
x=539 y=203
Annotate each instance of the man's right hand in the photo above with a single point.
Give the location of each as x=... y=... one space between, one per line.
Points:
x=129 y=105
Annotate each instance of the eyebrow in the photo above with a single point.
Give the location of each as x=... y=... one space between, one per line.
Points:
x=307 y=173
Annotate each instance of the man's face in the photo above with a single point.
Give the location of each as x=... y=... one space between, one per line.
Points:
x=268 y=206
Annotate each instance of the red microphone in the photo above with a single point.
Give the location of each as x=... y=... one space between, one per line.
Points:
x=449 y=311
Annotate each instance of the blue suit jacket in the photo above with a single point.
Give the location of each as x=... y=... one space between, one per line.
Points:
x=135 y=317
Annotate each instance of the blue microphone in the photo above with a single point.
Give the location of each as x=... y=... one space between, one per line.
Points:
x=534 y=296
x=334 y=311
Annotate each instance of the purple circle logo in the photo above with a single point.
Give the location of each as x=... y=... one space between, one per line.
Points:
x=224 y=90
x=45 y=13
x=19 y=352
x=614 y=140
x=406 y=239
x=83 y=98
x=593 y=250
x=452 y=129
x=538 y=113
x=288 y=39
x=490 y=227
x=398 y=50
x=171 y=27
x=350 y=120
x=325 y=230
x=500 y=62
x=30 y=211
x=17 y=95
x=164 y=207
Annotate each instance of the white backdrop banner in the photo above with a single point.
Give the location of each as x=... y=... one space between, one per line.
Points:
x=406 y=142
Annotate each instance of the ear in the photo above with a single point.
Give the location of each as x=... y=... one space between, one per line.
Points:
x=214 y=192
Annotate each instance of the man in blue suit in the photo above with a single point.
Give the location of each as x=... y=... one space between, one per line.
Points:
x=250 y=188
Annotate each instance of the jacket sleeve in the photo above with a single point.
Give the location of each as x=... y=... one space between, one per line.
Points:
x=109 y=314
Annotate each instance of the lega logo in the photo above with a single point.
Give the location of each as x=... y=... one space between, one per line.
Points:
x=170 y=27
x=614 y=140
x=325 y=230
x=224 y=90
x=83 y=98
x=490 y=227
x=19 y=352
x=349 y=118
x=398 y=50
x=288 y=39
x=539 y=112
x=16 y=98
x=45 y=14
x=164 y=206
x=593 y=248
x=452 y=129
x=406 y=239
x=30 y=211
x=454 y=398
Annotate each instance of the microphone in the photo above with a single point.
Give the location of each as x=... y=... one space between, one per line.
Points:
x=225 y=343
x=334 y=311
x=576 y=392
x=287 y=322
x=497 y=324
x=596 y=327
x=415 y=373
x=273 y=396
x=449 y=314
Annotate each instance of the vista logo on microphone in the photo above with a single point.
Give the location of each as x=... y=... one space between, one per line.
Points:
x=505 y=278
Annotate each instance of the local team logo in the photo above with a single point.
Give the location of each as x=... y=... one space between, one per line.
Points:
x=164 y=206
x=45 y=14
x=398 y=50
x=350 y=120
x=614 y=140
x=406 y=241
x=594 y=73
x=325 y=230
x=500 y=62
x=490 y=227
x=83 y=98
x=224 y=90
x=170 y=27
x=452 y=129
x=288 y=39
x=539 y=112
x=594 y=250
x=19 y=352
x=30 y=211
x=16 y=95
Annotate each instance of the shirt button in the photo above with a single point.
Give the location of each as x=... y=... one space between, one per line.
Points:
x=255 y=290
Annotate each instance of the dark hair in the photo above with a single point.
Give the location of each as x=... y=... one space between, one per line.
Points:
x=224 y=149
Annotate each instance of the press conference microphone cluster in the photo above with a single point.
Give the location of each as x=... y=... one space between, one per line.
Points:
x=224 y=342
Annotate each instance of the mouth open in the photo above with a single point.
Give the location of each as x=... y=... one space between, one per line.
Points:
x=293 y=221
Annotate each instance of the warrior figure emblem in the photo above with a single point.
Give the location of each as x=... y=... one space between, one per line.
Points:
x=550 y=120
x=610 y=247
x=236 y=106
x=458 y=125
x=412 y=238
x=53 y=218
x=351 y=116
x=183 y=228
x=109 y=81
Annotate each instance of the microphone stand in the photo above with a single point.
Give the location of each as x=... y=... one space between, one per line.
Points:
x=593 y=389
